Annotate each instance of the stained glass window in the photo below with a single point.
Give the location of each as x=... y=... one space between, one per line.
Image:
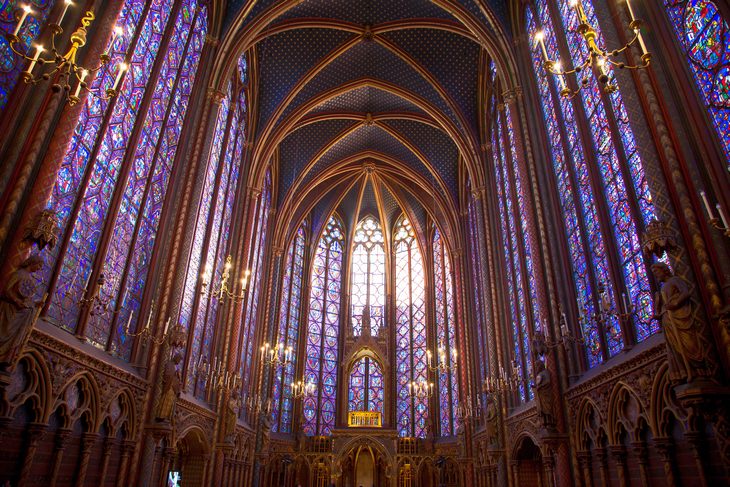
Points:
x=289 y=308
x=320 y=368
x=366 y=388
x=256 y=264
x=11 y=64
x=368 y=276
x=481 y=302
x=521 y=284
x=604 y=204
x=110 y=188
x=704 y=35
x=448 y=383
x=410 y=323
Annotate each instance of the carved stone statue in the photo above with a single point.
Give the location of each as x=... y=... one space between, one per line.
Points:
x=171 y=387
x=689 y=352
x=461 y=437
x=544 y=395
x=18 y=312
x=492 y=420
x=230 y=417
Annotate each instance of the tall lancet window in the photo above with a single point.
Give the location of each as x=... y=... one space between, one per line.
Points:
x=113 y=181
x=410 y=323
x=448 y=382
x=11 y=64
x=479 y=280
x=524 y=310
x=254 y=294
x=603 y=192
x=704 y=35
x=368 y=276
x=289 y=309
x=320 y=368
x=366 y=387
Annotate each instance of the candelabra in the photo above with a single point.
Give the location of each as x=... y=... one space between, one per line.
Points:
x=606 y=311
x=223 y=291
x=217 y=375
x=146 y=334
x=724 y=227
x=420 y=390
x=255 y=404
x=276 y=355
x=496 y=385
x=596 y=57
x=469 y=410
x=443 y=362
x=63 y=67
x=94 y=301
x=300 y=389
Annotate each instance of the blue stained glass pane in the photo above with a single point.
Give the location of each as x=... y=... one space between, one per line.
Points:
x=704 y=36
x=87 y=226
x=607 y=146
x=289 y=306
x=320 y=367
x=411 y=365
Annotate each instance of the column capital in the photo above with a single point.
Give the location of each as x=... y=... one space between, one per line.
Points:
x=215 y=95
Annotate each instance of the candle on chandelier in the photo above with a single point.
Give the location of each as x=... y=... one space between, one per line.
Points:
x=66 y=5
x=118 y=31
x=167 y=325
x=129 y=323
x=722 y=215
x=625 y=302
x=560 y=75
x=122 y=68
x=38 y=51
x=26 y=11
x=540 y=38
x=578 y=6
x=631 y=11
x=703 y=195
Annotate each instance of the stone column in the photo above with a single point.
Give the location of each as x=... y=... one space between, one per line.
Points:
x=106 y=454
x=665 y=447
x=584 y=460
x=619 y=455
x=87 y=445
x=127 y=449
x=35 y=435
x=62 y=437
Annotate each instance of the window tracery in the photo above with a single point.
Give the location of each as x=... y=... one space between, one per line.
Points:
x=448 y=383
x=368 y=276
x=603 y=193
x=289 y=309
x=320 y=367
x=410 y=323
x=113 y=180
x=704 y=36
x=366 y=388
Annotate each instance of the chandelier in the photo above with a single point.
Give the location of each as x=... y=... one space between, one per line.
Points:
x=62 y=67
x=300 y=389
x=223 y=291
x=420 y=390
x=596 y=58
x=443 y=362
x=278 y=355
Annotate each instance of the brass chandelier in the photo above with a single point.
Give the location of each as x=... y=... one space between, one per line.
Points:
x=63 y=68
x=596 y=58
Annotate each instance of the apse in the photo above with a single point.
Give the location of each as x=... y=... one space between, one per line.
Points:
x=318 y=243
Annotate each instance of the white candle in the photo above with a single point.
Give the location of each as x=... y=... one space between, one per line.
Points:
x=86 y=284
x=67 y=3
x=118 y=31
x=122 y=68
x=631 y=11
x=38 y=51
x=26 y=11
x=167 y=325
x=558 y=68
x=129 y=323
x=707 y=205
x=540 y=37
x=84 y=74
x=722 y=215
x=625 y=302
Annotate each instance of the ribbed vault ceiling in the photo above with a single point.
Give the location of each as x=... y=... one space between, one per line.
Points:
x=367 y=106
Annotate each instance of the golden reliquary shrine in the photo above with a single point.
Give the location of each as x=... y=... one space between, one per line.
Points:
x=373 y=243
